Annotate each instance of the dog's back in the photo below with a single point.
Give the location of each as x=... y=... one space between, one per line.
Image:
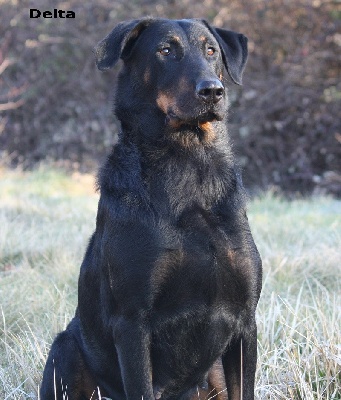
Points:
x=170 y=282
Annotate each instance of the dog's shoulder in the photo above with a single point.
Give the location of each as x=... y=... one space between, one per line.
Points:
x=123 y=194
x=121 y=171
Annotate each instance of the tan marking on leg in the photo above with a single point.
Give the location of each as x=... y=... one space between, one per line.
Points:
x=231 y=256
x=146 y=76
x=216 y=385
x=216 y=380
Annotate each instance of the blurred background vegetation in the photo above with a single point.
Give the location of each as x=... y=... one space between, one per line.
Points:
x=55 y=107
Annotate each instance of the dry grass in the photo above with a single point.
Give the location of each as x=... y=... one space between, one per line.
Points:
x=46 y=219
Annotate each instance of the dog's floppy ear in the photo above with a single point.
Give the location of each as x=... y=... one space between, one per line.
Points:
x=234 y=51
x=119 y=42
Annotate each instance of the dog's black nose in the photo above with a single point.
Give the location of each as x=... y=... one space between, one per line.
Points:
x=210 y=91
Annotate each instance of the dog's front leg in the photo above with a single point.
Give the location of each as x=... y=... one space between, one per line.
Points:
x=239 y=363
x=132 y=341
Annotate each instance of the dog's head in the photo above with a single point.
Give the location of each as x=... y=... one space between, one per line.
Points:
x=177 y=67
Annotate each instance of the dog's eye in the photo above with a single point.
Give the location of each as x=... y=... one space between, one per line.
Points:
x=210 y=51
x=165 y=51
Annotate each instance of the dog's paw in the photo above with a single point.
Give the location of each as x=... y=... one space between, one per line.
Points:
x=203 y=384
x=158 y=392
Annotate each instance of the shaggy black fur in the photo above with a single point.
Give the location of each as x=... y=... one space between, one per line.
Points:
x=171 y=278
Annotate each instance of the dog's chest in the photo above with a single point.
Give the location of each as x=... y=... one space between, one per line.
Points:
x=195 y=267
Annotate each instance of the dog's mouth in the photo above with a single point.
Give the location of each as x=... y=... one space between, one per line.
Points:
x=193 y=130
x=173 y=119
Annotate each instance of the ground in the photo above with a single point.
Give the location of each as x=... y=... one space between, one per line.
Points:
x=46 y=219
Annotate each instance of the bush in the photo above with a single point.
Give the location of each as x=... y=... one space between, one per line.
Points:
x=284 y=121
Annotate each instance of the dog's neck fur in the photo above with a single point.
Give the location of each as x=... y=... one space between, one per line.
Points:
x=203 y=172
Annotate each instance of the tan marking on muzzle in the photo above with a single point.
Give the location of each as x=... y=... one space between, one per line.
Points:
x=208 y=130
x=175 y=123
x=164 y=102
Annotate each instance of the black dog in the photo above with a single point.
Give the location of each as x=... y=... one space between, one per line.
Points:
x=171 y=278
